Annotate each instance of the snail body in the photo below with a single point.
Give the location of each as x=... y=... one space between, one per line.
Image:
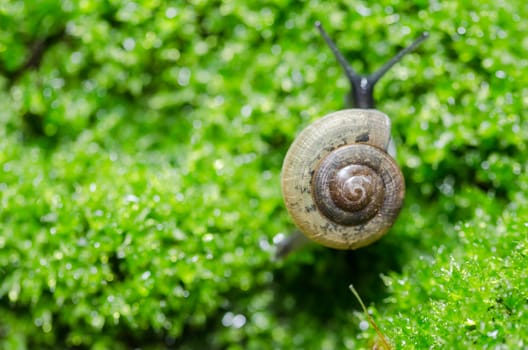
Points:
x=340 y=185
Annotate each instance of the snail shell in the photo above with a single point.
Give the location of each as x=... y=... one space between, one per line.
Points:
x=339 y=184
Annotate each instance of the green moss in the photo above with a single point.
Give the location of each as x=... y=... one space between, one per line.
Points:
x=140 y=152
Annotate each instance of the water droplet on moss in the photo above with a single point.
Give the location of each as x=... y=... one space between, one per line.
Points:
x=239 y=321
x=129 y=44
x=278 y=238
x=184 y=76
x=227 y=320
x=500 y=74
x=493 y=334
x=145 y=275
x=130 y=198
x=171 y=12
x=97 y=321
x=363 y=325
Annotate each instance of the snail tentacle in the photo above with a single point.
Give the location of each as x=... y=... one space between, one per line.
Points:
x=374 y=77
x=362 y=86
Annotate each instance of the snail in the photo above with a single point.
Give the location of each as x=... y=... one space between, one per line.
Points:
x=340 y=182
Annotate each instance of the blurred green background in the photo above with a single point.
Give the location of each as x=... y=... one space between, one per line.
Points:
x=140 y=152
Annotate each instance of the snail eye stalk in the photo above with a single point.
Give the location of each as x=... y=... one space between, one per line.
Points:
x=363 y=85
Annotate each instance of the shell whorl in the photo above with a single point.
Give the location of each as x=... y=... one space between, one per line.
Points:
x=340 y=186
x=346 y=186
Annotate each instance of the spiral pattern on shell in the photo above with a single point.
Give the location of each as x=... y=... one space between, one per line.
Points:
x=347 y=190
x=340 y=186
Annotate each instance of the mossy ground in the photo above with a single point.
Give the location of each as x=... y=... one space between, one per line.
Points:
x=140 y=151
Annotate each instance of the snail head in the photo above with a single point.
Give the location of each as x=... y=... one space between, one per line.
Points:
x=362 y=86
